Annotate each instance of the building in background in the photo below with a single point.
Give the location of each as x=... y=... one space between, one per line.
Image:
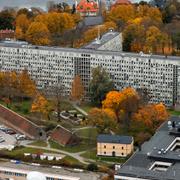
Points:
x=88 y=8
x=156 y=159
x=110 y=41
x=7 y=33
x=114 y=145
x=49 y=66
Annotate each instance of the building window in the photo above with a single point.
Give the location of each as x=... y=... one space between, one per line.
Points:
x=122 y=154
x=122 y=147
x=105 y=146
x=113 y=147
x=104 y=152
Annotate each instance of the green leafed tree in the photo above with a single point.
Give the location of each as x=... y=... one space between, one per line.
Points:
x=100 y=85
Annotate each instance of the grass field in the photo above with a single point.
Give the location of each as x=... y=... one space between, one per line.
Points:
x=39 y=143
x=173 y=112
x=22 y=108
x=86 y=107
x=19 y=151
x=90 y=133
x=83 y=146
x=92 y=155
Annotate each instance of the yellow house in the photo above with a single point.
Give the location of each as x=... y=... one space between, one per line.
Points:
x=114 y=145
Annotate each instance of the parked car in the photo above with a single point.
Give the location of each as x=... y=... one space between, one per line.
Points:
x=20 y=137
x=10 y=131
x=3 y=128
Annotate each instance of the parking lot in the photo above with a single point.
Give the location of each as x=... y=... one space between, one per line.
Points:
x=9 y=138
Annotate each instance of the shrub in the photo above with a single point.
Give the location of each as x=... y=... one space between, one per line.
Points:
x=92 y=167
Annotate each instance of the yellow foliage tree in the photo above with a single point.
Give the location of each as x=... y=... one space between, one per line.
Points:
x=122 y=13
x=77 y=92
x=56 y=22
x=26 y=85
x=22 y=22
x=41 y=105
x=152 y=115
x=103 y=119
x=38 y=34
x=18 y=33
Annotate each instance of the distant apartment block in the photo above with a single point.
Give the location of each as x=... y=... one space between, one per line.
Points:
x=114 y=145
x=49 y=66
x=110 y=41
x=159 y=158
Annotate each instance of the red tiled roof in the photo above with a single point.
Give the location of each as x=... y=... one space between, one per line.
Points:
x=87 y=6
x=20 y=124
x=64 y=136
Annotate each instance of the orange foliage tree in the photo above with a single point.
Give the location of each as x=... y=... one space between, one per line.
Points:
x=26 y=85
x=77 y=92
x=152 y=115
x=103 y=119
x=123 y=104
x=41 y=105
x=38 y=34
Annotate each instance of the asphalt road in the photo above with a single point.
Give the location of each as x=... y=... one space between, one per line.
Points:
x=10 y=140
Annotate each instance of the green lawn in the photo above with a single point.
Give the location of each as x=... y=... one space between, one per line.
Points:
x=90 y=133
x=86 y=107
x=19 y=151
x=173 y=112
x=22 y=108
x=39 y=143
x=83 y=146
x=92 y=155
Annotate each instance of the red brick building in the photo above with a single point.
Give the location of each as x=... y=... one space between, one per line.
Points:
x=7 y=33
x=20 y=124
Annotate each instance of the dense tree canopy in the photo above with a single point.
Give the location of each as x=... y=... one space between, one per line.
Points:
x=99 y=85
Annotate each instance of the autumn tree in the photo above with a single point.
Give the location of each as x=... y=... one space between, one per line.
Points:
x=77 y=92
x=6 y=20
x=38 y=34
x=22 y=22
x=100 y=85
x=103 y=119
x=152 y=115
x=57 y=95
x=41 y=105
x=56 y=23
x=26 y=85
x=154 y=37
x=123 y=104
x=19 y=33
x=121 y=14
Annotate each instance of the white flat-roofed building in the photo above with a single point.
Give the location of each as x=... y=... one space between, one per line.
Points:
x=49 y=66
x=21 y=172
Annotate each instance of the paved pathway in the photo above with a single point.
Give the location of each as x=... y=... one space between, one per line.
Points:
x=79 y=109
x=74 y=155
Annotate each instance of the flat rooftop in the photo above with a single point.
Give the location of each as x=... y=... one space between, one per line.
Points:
x=51 y=171
x=95 y=44
x=23 y=45
x=155 y=150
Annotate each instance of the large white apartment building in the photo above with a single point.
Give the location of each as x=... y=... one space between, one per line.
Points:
x=49 y=66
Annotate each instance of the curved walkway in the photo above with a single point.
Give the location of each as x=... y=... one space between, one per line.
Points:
x=74 y=155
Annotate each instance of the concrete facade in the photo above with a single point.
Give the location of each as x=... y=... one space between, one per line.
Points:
x=49 y=66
